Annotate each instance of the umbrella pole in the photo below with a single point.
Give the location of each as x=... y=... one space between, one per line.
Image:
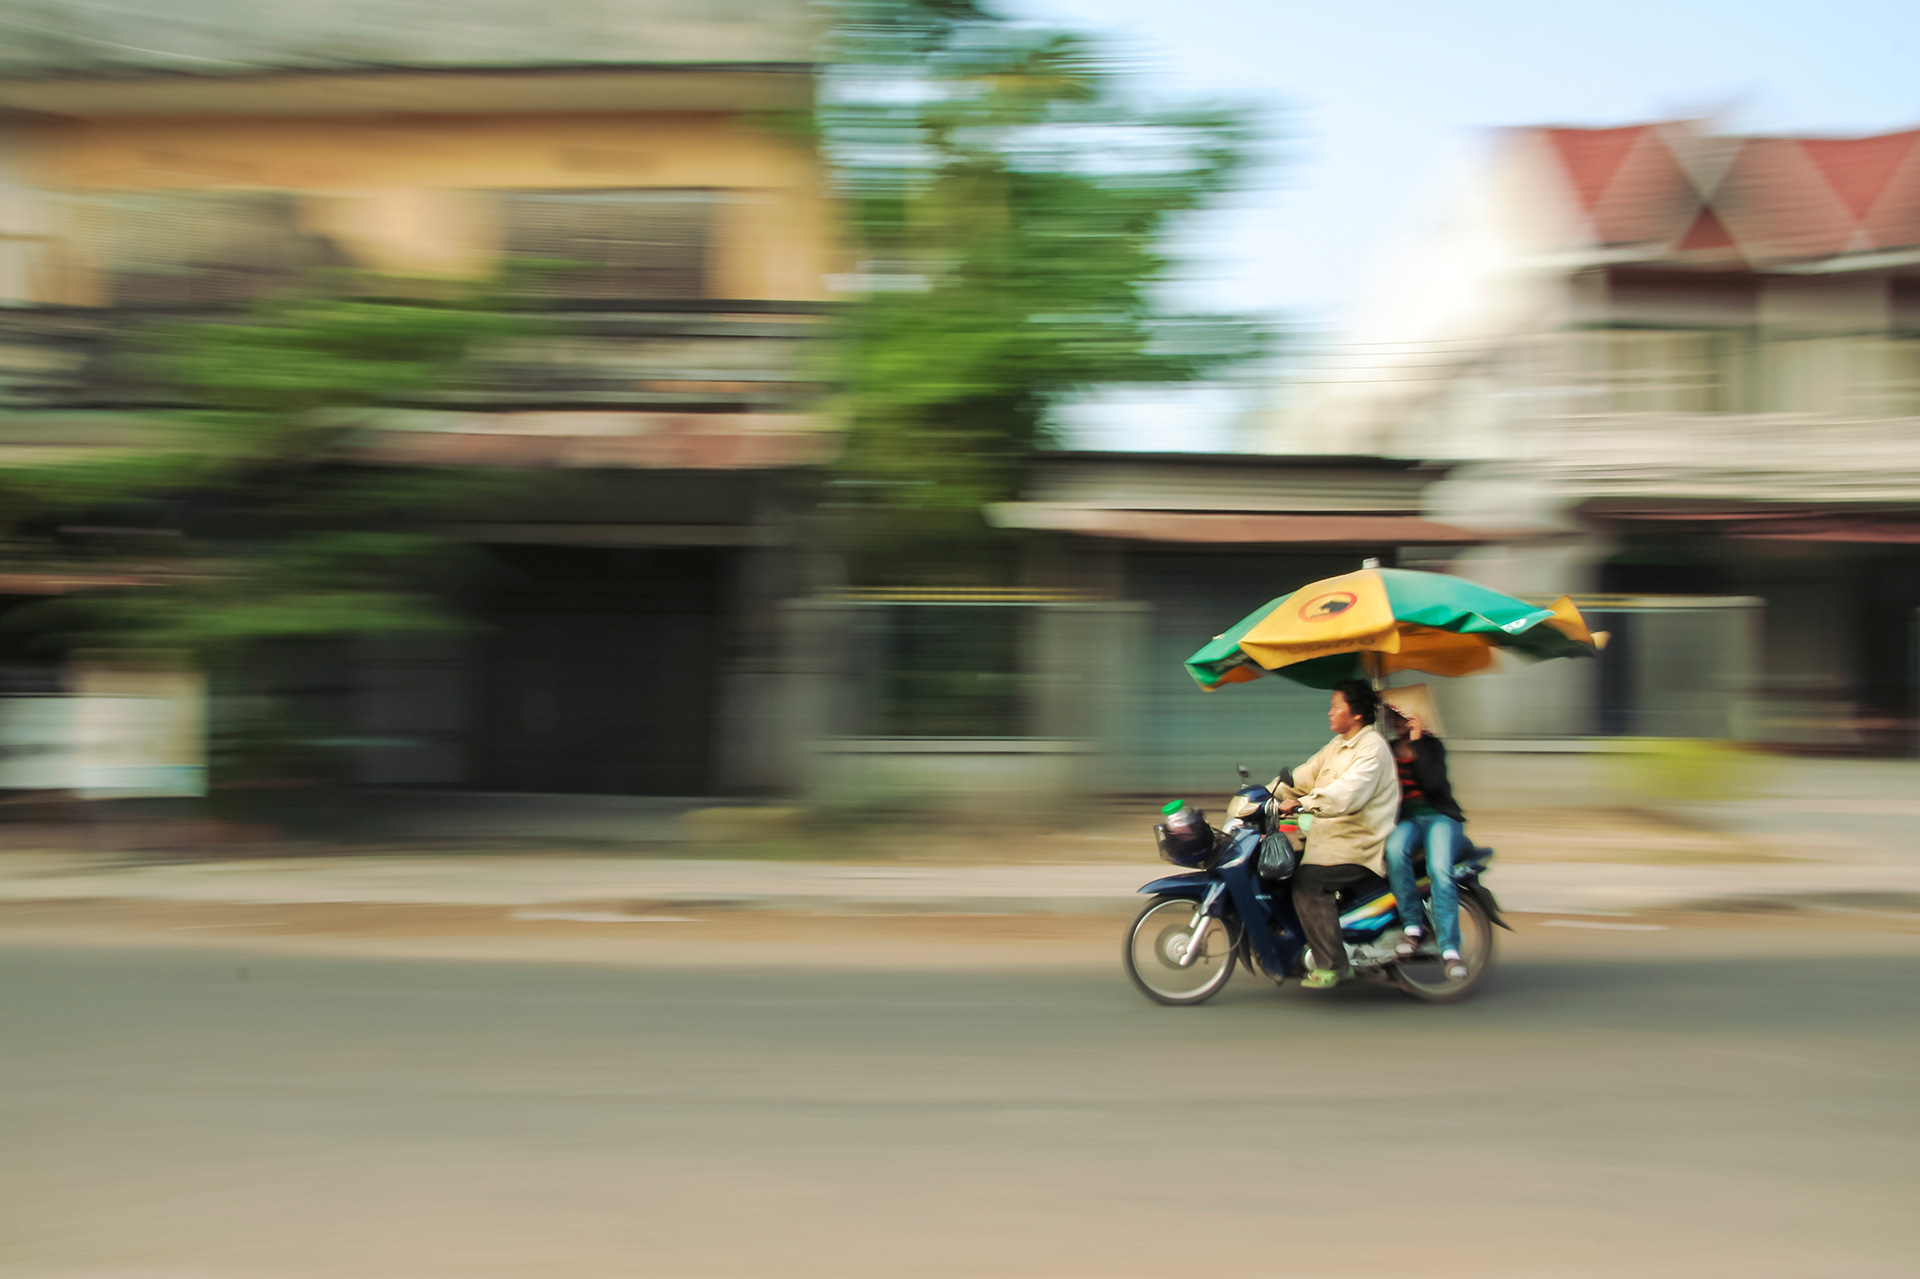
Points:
x=1375 y=665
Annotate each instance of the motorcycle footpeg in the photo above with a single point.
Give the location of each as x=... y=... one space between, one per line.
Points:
x=1370 y=956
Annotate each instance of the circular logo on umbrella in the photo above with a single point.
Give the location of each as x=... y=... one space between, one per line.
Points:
x=1322 y=607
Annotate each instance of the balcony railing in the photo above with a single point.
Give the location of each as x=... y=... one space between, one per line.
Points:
x=711 y=355
x=1789 y=456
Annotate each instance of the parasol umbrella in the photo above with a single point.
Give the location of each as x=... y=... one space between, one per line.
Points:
x=1376 y=621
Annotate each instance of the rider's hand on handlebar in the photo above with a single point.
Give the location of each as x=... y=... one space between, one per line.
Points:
x=1289 y=806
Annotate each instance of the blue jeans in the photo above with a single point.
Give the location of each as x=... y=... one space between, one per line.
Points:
x=1444 y=840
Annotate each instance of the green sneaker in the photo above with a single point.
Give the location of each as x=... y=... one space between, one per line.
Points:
x=1321 y=979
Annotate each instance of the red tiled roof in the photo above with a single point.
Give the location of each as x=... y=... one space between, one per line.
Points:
x=1593 y=156
x=1650 y=199
x=1676 y=189
x=1778 y=204
x=1858 y=169
x=1707 y=232
x=1894 y=218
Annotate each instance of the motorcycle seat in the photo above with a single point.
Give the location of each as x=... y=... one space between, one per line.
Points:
x=1365 y=890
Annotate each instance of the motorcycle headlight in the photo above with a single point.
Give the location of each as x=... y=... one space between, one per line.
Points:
x=1242 y=807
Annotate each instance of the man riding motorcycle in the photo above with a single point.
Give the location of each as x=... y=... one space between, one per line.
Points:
x=1352 y=790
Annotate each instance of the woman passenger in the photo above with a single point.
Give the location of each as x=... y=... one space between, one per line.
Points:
x=1431 y=833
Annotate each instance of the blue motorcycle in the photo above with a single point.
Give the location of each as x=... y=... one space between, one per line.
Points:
x=1236 y=905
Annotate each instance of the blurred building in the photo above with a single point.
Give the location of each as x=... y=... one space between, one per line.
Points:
x=1074 y=683
x=188 y=156
x=1677 y=371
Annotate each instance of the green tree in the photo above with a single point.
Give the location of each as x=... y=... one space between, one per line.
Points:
x=250 y=520
x=1010 y=206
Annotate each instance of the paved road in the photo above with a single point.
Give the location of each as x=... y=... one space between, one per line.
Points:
x=534 y=881
x=1622 y=1103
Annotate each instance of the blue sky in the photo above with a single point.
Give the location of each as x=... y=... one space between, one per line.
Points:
x=1365 y=100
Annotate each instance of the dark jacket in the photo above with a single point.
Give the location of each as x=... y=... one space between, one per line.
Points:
x=1429 y=768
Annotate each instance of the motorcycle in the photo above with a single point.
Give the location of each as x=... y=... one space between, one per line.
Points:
x=1235 y=906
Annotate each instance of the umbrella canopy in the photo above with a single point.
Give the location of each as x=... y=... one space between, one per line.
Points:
x=1380 y=620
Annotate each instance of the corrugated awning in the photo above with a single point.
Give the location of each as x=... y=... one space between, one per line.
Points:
x=1879 y=532
x=64 y=583
x=613 y=440
x=1866 y=528
x=1228 y=527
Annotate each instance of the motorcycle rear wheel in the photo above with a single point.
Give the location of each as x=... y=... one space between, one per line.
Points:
x=1426 y=978
x=1159 y=937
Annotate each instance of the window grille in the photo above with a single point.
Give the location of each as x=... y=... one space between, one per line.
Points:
x=1887 y=377
x=921 y=669
x=611 y=244
x=198 y=248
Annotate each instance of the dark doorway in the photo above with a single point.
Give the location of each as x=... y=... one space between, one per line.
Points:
x=598 y=671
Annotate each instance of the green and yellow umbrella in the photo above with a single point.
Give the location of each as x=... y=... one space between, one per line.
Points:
x=1381 y=620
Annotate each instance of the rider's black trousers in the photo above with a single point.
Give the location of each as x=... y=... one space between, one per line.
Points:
x=1313 y=890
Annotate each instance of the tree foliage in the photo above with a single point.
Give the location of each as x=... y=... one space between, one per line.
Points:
x=1010 y=206
x=247 y=517
x=248 y=526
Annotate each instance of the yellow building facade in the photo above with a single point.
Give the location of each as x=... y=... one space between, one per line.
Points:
x=424 y=193
x=671 y=233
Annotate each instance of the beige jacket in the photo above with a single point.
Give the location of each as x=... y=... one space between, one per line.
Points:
x=1353 y=791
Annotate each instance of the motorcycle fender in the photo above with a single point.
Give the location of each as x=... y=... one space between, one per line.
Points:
x=1190 y=884
x=1484 y=895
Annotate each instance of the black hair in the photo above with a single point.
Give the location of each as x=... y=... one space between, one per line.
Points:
x=1360 y=697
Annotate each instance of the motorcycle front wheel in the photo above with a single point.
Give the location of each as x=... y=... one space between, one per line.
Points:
x=1161 y=937
x=1426 y=976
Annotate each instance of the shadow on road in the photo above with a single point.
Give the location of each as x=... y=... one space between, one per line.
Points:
x=1655 y=994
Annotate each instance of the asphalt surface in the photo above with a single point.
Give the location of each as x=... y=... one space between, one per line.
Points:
x=1696 y=1101
x=611 y=883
